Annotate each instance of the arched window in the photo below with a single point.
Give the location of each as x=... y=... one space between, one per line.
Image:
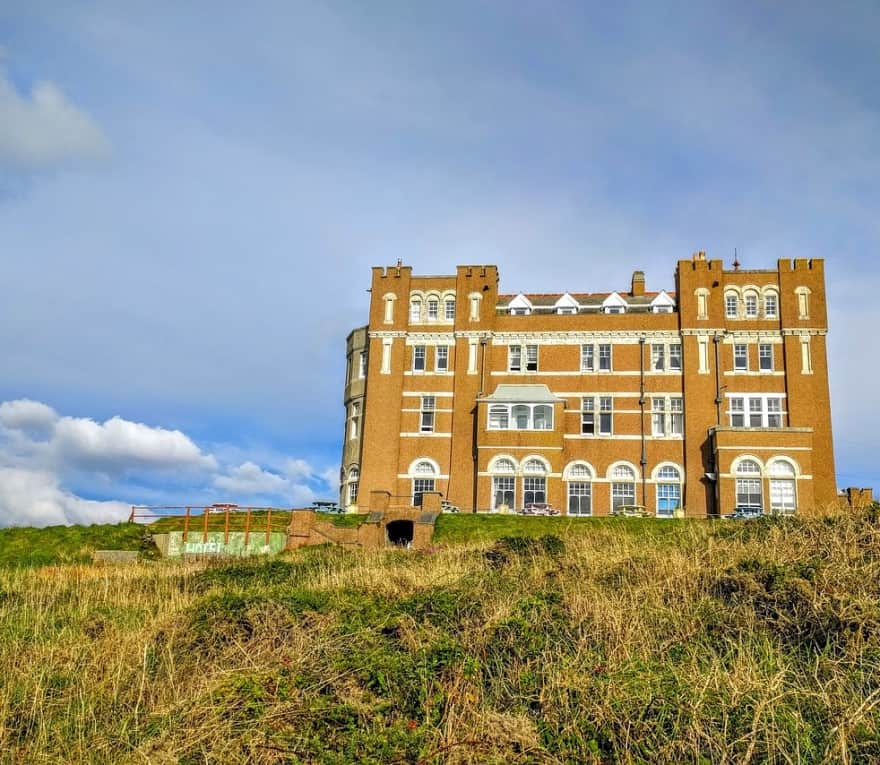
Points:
x=534 y=481
x=449 y=309
x=702 y=295
x=353 y=482
x=748 y=489
x=533 y=466
x=389 y=307
x=475 y=298
x=771 y=304
x=668 y=480
x=803 y=298
x=433 y=309
x=731 y=305
x=503 y=484
x=424 y=480
x=623 y=486
x=415 y=309
x=751 y=301
x=783 y=491
x=580 y=489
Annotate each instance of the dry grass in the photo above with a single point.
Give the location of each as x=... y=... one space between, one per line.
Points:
x=756 y=642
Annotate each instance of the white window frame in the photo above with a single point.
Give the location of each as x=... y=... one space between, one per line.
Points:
x=514 y=358
x=362 y=365
x=531 y=357
x=588 y=358
x=731 y=305
x=597 y=411
x=765 y=354
x=433 y=308
x=449 y=309
x=605 y=355
x=751 y=305
x=623 y=485
x=441 y=358
x=667 y=416
x=740 y=357
x=420 y=353
x=427 y=414
x=606 y=416
x=415 y=310
x=744 y=409
x=771 y=298
x=665 y=480
x=354 y=420
x=514 y=413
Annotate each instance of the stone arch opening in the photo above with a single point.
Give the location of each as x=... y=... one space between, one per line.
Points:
x=400 y=533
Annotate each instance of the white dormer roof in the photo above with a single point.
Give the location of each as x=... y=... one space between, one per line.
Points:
x=614 y=301
x=566 y=301
x=662 y=300
x=520 y=301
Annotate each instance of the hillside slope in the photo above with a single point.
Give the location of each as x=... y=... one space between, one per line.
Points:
x=756 y=642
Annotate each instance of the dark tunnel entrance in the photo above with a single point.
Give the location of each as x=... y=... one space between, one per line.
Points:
x=400 y=533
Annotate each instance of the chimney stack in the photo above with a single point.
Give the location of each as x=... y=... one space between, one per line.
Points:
x=638 y=284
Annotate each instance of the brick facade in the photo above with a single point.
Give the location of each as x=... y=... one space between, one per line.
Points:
x=691 y=401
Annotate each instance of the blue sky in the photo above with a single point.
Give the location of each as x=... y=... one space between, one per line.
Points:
x=191 y=199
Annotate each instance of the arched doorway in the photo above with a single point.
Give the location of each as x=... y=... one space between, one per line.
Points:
x=399 y=533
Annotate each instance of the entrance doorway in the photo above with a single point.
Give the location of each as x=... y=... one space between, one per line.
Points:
x=399 y=533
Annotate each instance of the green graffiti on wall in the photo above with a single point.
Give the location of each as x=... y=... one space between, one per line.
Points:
x=172 y=545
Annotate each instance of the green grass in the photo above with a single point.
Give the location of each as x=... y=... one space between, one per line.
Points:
x=461 y=528
x=65 y=544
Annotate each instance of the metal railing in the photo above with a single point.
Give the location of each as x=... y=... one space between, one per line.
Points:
x=197 y=518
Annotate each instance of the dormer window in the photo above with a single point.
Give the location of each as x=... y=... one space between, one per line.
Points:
x=566 y=305
x=519 y=306
x=614 y=303
x=662 y=303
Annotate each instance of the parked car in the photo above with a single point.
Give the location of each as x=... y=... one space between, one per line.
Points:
x=743 y=513
x=538 y=508
x=324 y=506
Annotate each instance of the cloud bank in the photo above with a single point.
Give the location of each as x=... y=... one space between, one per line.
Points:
x=44 y=455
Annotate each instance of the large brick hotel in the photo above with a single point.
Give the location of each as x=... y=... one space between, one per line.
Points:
x=693 y=400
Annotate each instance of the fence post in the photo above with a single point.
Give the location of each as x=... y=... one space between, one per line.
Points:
x=247 y=527
x=226 y=528
x=186 y=525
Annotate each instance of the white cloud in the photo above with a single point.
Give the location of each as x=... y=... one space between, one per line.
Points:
x=44 y=130
x=24 y=414
x=34 y=498
x=119 y=444
x=250 y=479
x=297 y=469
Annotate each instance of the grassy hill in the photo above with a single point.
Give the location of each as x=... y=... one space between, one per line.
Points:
x=611 y=641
